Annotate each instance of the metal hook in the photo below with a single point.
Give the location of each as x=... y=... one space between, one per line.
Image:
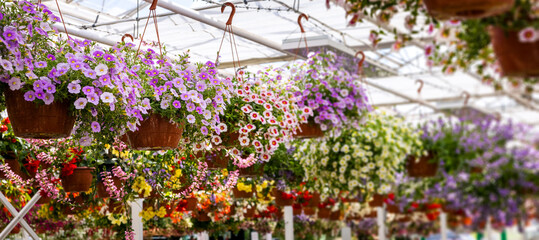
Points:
x=229 y=21
x=466 y=97
x=129 y=36
x=154 y=5
x=299 y=21
x=360 y=63
x=421 y=83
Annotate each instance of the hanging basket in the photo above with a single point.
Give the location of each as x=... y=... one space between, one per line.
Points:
x=242 y=194
x=335 y=216
x=250 y=213
x=309 y=130
x=30 y=120
x=11 y=160
x=115 y=207
x=516 y=59
x=252 y=171
x=324 y=213
x=155 y=133
x=80 y=181
x=377 y=200
x=422 y=167
x=467 y=9
x=280 y=200
x=297 y=209
x=314 y=201
x=102 y=190
x=203 y=216
x=392 y=208
x=309 y=211
x=230 y=139
x=372 y=214
x=190 y=204
x=216 y=160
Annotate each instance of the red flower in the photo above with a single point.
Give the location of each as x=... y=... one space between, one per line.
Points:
x=6 y=121
x=32 y=165
x=13 y=140
x=68 y=169
x=3 y=128
x=434 y=206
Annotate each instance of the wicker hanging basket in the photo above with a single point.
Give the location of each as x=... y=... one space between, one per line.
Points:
x=467 y=9
x=309 y=130
x=516 y=58
x=80 y=181
x=30 y=120
x=280 y=200
x=422 y=167
x=155 y=133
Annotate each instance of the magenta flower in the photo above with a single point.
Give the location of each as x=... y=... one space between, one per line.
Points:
x=210 y=64
x=40 y=94
x=29 y=96
x=98 y=54
x=96 y=127
x=109 y=58
x=177 y=104
x=203 y=75
x=38 y=85
x=51 y=57
x=105 y=80
x=9 y=33
x=80 y=103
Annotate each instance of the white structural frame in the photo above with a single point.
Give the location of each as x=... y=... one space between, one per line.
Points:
x=18 y=216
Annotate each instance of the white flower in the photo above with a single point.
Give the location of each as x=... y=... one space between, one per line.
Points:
x=107 y=97
x=101 y=69
x=528 y=34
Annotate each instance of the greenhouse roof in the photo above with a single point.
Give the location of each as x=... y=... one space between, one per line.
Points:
x=266 y=27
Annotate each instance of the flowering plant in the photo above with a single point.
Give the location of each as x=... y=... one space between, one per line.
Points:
x=332 y=93
x=46 y=69
x=261 y=116
x=463 y=42
x=461 y=144
x=284 y=169
x=178 y=89
x=360 y=161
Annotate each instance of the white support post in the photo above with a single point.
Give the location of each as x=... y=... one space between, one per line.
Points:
x=488 y=230
x=443 y=225
x=288 y=223
x=18 y=216
x=346 y=233
x=381 y=213
x=204 y=236
x=136 y=219
x=269 y=236
x=254 y=235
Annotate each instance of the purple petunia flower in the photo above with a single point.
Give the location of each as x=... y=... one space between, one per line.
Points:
x=177 y=104
x=9 y=33
x=48 y=98
x=51 y=57
x=50 y=88
x=201 y=86
x=204 y=130
x=88 y=90
x=109 y=58
x=73 y=88
x=80 y=103
x=96 y=127
x=105 y=80
x=15 y=83
x=190 y=107
x=29 y=96
x=38 y=85
x=210 y=64
x=93 y=98
x=40 y=94
x=191 y=118
x=203 y=75
x=41 y=64
x=97 y=54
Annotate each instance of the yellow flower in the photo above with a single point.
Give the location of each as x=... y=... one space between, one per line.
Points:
x=162 y=212
x=244 y=187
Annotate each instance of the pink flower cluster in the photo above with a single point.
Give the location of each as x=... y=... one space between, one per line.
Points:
x=111 y=188
x=13 y=177
x=47 y=185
